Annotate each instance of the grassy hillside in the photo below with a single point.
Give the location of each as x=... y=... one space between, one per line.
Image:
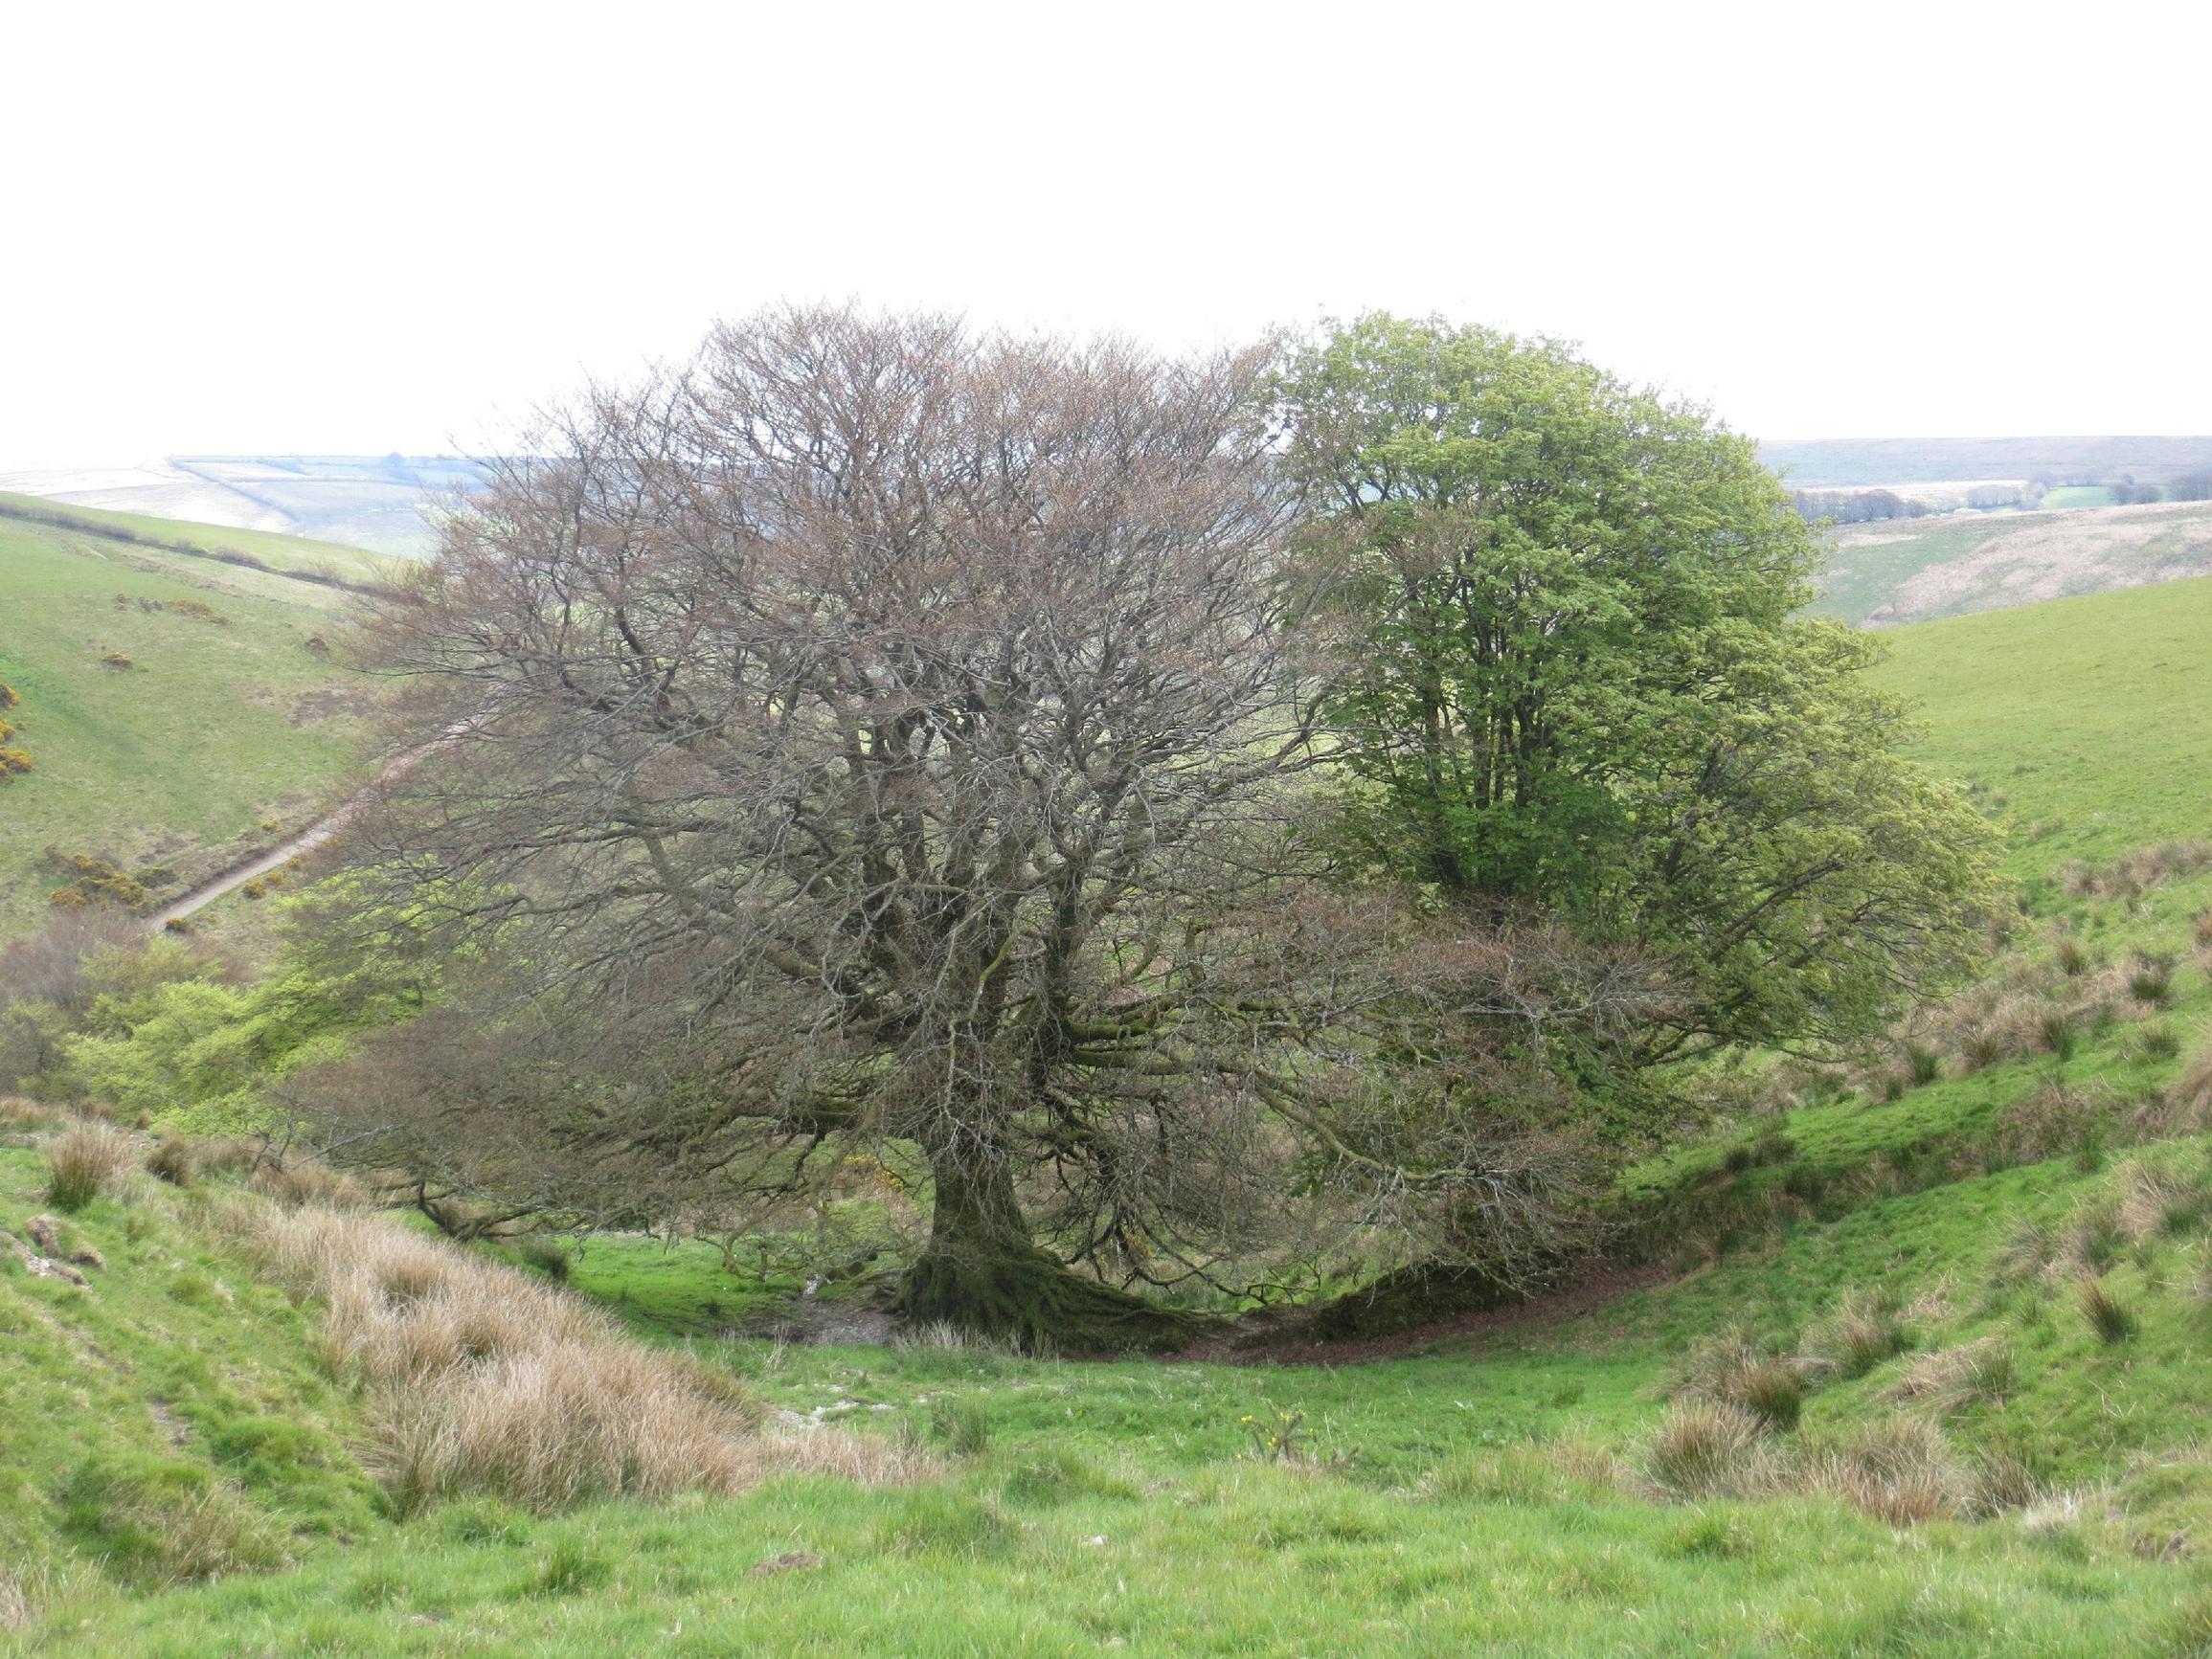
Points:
x=216 y=542
x=1967 y=1280
x=171 y=706
x=1915 y=570
x=2086 y=723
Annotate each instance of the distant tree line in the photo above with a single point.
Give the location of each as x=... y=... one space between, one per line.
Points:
x=1855 y=507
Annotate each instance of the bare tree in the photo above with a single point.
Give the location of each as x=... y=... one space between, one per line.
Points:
x=889 y=732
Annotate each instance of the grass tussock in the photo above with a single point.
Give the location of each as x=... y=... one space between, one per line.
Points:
x=1981 y=1372
x=2111 y=1319
x=1900 y=1470
x=1732 y=1370
x=19 y=1114
x=303 y=1182
x=2157 y=1200
x=85 y=1161
x=1710 y=1448
x=1864 y=1329
x=485 y=1381
x=173 y=1159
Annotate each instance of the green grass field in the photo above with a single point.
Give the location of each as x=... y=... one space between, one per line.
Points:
x=1488 y=1489
x=201 y=736
x=2090 y=717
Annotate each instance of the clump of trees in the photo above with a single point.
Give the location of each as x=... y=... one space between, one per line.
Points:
x=1232 y=819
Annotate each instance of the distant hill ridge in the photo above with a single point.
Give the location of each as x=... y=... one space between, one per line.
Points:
x=1813 y=462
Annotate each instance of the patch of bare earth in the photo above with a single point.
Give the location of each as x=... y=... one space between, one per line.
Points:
x=1250 y=1343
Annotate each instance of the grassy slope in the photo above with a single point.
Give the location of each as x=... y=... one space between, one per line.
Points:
x=169 y=1413
x=2087 y=549
x=2092 y=714
x=281 y=552
x=1102 y=1505
x=213 y=732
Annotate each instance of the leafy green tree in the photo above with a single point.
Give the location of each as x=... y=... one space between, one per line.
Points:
x=1569 y=672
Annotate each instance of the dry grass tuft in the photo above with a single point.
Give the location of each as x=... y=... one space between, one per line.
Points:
x=1980 y=1372
x=18 y=1114
x=2188 y=1103
x=1900 y=1470
x=304 y=1182
x=1731 y=1371
x=484 y=1380
x=1710 y=1448
x=87 y=1161
x=2057 y=1119
x=174 y=1160
x=2157 y=1200
x=1867 y=1328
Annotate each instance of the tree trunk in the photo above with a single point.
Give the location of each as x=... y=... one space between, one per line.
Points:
x=983 y=1272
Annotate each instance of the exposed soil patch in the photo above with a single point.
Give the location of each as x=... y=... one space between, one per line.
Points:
x=1248 y=1343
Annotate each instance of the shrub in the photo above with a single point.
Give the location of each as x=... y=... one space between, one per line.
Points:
x=86 y=1161
x=116 y=660
x=13 y=761
x=94 y=881
x=174 y=1161
x=2072 y=959
x=2111 y=1318
x=2056 y=1027
x=1708 y=1449
x=1924 y=1063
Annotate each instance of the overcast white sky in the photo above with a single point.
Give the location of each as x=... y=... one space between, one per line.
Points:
x=325 y=229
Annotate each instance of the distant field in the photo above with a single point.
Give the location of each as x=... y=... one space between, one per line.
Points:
x=2092 y=718
x=1906 y=571
x=211 y=731
x=2076 y=495
x=381 y=504
x=280 y=552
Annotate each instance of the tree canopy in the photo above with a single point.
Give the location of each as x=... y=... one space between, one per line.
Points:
x=1566 y=669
